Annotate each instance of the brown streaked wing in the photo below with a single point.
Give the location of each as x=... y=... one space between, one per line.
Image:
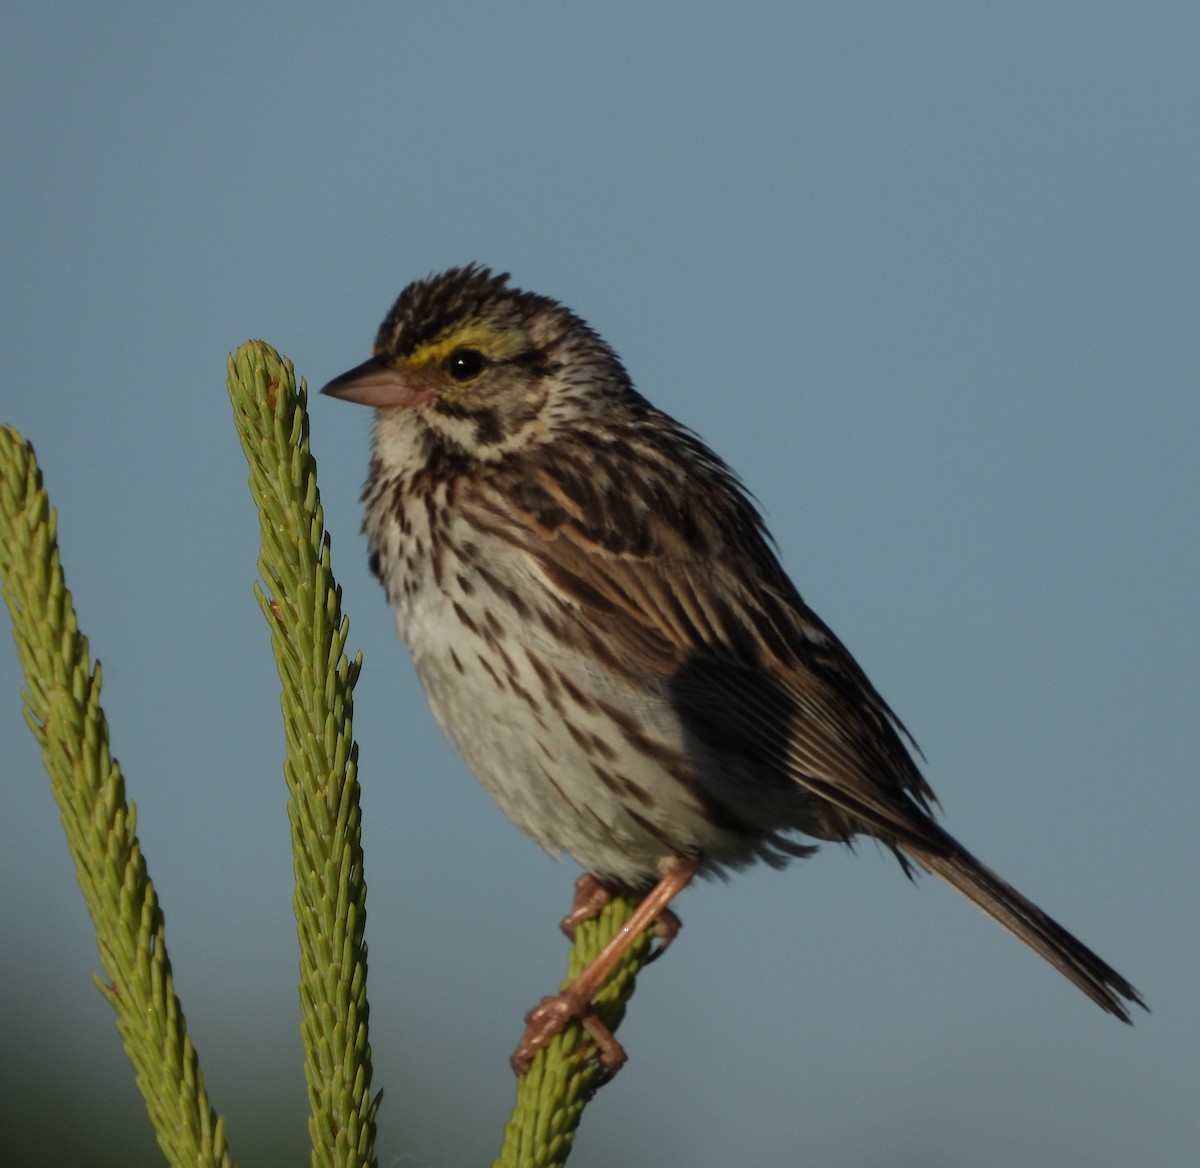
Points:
x=710 y=618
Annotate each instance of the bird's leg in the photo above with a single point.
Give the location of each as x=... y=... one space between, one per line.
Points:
x=590 y=899
x=552 y=1014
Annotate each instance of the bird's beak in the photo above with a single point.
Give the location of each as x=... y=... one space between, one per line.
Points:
x=378 y=383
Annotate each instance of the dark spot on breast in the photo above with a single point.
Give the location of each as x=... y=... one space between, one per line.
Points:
x=610 y=780
x=509 y=596
x=632 y=734
x=581 y=739
x=509 y=668
x=550 y=779
x=465 y=618
x=520 y=691
x=577 y=695
x=652 y=829
x=603 y=749
x=548 y=681
x=491 y=672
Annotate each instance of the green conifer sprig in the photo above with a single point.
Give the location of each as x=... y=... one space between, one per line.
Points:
x=551 y=1096
x=302 y=604
x=62 y=708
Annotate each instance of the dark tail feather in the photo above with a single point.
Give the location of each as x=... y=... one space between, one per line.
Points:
x=1021 y=917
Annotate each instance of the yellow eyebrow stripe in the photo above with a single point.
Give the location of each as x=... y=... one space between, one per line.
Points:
x=492 y=343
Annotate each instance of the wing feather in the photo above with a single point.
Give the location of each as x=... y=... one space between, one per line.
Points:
x=691 y=599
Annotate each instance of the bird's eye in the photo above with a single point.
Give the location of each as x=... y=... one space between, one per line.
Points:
x=465 y=364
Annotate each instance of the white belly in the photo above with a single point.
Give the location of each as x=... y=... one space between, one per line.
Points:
x=564 y=773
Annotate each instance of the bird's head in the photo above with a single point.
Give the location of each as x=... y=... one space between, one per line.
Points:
x=487 y=367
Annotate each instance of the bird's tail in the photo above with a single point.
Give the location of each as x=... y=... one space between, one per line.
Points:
x=1021 y=917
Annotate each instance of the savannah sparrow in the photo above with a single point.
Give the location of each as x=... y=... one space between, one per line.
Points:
x=603 y=630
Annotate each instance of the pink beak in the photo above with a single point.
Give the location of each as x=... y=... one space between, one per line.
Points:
x=378 y=383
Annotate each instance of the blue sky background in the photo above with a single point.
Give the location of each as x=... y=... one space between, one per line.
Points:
x=926 y=274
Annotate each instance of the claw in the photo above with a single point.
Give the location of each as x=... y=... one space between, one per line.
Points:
x=551 y=1016
x=574 y=1004
x=590 y=898
x=666 y=929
